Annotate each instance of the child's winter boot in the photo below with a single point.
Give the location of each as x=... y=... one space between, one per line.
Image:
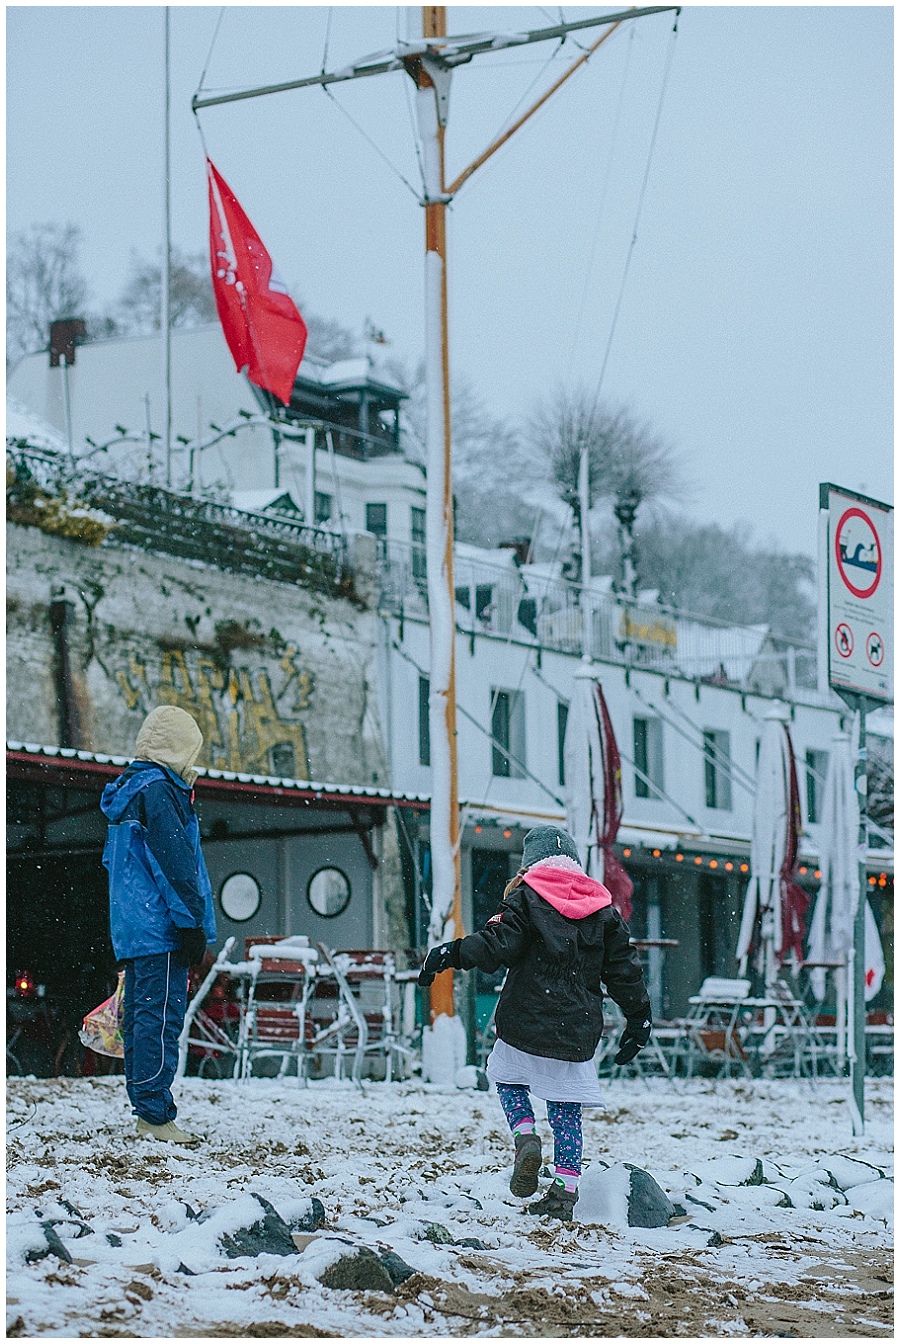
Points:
x=524 y=1180
x=558 y=1202
x=168 y=1133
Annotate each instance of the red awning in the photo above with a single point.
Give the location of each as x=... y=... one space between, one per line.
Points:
x=86 y=769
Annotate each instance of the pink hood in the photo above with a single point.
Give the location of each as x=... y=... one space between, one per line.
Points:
x=568 y=889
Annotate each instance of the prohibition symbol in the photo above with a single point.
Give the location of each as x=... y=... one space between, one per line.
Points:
x=843 y=638
x=858 y=553
x=875 y=649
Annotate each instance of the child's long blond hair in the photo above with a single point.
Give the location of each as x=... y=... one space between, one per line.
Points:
x=514 y=882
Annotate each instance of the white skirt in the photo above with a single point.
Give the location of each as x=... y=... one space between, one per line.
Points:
x=549 y=1079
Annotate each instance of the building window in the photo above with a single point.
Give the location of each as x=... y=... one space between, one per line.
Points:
x=717 y=768
x=648 y=758
x=424 y=729
x=283 y=766
x=816 y=770
x=562 y=718
x=323 y=508
x=418 y=543
x=508 y=732
x=376 y=519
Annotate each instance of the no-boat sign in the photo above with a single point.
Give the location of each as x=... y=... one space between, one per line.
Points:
x=860 y=592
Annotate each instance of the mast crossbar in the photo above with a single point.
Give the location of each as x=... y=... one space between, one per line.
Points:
x=450 y=51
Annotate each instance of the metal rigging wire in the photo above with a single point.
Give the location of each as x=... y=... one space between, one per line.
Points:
x=640 y=206
x=603 y=194
x=380 y=152
x=211 y=45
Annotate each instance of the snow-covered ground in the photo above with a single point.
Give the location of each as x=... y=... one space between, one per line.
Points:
x=414 y=1168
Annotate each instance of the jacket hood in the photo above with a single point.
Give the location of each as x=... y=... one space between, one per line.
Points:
x=170 y=737
x=564 y=885
x=118 y=794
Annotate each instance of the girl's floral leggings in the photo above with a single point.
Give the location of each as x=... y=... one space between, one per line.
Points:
x=564 y=1118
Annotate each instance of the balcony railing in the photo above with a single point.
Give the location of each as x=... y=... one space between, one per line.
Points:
x=162 y=520
x=533 y=606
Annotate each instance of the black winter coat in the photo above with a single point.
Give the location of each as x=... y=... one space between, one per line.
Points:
x=551 y=1001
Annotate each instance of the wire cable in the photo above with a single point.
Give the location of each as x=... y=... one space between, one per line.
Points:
x=603 y=195
x=637 y=217
x=378 y=150
x=211 y=45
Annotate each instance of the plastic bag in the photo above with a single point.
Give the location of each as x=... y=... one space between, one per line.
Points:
x=102 y=1029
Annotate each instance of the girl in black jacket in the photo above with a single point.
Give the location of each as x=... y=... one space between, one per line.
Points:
x=562 y=941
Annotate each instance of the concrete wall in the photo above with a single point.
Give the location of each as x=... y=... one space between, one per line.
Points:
x=270 y=670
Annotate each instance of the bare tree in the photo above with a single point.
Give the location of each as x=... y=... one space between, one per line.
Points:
x=44 y=283
x=880 y=772
x=191 y=302
x=628 y=462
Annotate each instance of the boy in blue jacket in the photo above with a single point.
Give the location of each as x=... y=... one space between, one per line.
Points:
x=161 y=915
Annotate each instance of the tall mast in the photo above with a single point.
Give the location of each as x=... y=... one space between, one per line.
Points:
x=165 y=305
x=433 y=89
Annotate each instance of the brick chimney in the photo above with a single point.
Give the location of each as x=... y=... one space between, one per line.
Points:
x=65 y=334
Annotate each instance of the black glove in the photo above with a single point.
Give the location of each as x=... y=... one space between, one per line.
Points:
x=439 y=959
x=192 y=946
x=634 y=1038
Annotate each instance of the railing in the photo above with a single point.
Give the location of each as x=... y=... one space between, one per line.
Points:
x=531 y=605
x=162 y=520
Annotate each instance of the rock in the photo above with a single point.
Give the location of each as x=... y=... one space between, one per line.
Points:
x=472 y=1243
x=310 y=1221
x=436 y=1233
x=113 y=1239
x=692 y=1199
x=875 y=1199
x=729 y=1171
x=623 y=1196
x=396 y=1266
x=52 y=1246
x=268 y=1235
x=362 y=1271
x=849 y=1172
x=715 y=1238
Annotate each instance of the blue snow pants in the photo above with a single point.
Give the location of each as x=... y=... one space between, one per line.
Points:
x=155 y=1004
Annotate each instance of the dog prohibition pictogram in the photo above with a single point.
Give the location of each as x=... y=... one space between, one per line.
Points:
x=843 y=638
x=875 y=649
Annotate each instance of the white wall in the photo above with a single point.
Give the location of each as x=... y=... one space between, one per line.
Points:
x=648 y=821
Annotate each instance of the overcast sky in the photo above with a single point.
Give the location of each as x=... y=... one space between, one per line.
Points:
x=755 y=325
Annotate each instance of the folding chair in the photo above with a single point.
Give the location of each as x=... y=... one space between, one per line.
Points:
x=275 y=1022
x=372 y=979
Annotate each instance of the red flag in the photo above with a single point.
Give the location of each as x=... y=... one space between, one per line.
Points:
x=264 y=330
x=615 y=879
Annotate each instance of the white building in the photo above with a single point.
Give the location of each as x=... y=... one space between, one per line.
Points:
x=360 y=481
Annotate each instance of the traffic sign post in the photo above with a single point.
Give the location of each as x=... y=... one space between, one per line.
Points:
x=856 y=593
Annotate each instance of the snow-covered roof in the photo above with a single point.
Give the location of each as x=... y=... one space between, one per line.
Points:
x=21 y=423
x=357 y=372
x=266 y=501
x=48 y=755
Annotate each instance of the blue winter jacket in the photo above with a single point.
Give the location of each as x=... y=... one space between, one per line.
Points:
x=158 y=881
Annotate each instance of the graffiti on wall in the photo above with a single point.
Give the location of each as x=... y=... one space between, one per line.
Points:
x=247 y=726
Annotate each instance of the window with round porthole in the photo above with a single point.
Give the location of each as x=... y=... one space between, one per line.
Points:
x=328 y=892
x=240 y=897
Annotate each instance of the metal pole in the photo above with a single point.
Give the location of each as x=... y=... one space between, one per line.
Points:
x=433 y=84
x=856 y=989
x=67 y=405
x=310 y=477
x=584 y=500
x=165 y=304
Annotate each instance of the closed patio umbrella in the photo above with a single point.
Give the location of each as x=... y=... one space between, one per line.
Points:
x=772 y=923
x=593 y=772
x=831 y=930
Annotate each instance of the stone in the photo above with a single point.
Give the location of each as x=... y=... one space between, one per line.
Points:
x=268 y=1235
x=52 y=1246
x=622 y=1196
x=436 y=1233
x=472 y=1243
x=729 y=1171
x=363 y=1271
x=311 y=1221
x=648 y=1203
x=396 y=1266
